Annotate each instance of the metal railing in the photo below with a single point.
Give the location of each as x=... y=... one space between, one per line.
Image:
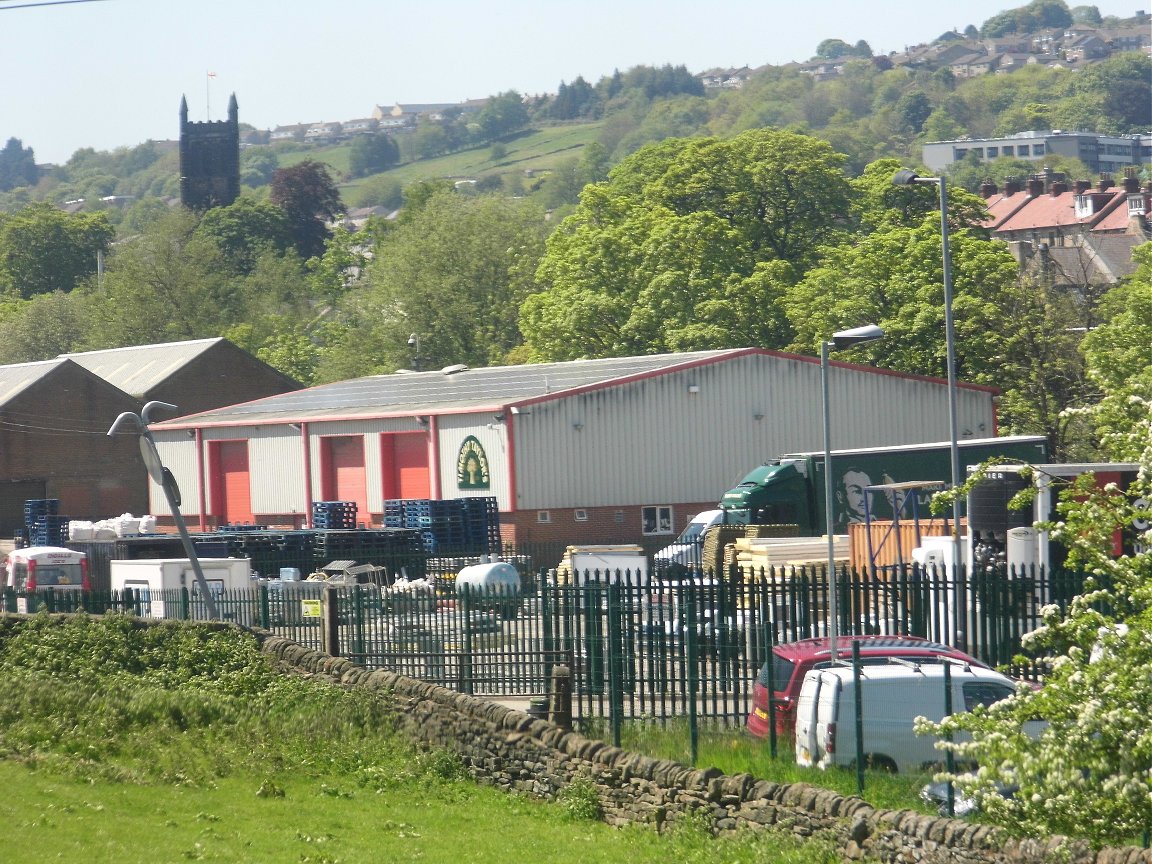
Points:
x=635 y=646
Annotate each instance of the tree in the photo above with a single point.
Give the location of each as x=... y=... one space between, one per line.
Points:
x=307 y=193
x=42 y=327
x=1085 y=773
x=1086 y=15
x=503 y=114
x=454 y=272
x=687 y=245
x=371 y=154
x=832 y=49
x=257 y=165
x=245 y=229
x=17 y=166
x=1116 y=356
x=43 y=249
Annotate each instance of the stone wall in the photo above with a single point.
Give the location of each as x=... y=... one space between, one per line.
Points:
x=508 y=749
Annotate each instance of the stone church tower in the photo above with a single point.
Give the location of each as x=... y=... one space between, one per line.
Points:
x=209 y=159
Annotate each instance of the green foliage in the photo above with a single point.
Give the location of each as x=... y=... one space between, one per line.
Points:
x=17 y=166
x=245 y=229
x=43 y=249
x=581 y=800
x=454 y=271
x=1085 y=773
x=372 y=154
x=503 y=114
x=686 y=247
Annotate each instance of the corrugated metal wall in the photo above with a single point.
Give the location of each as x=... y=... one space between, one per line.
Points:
x=493 y=437
x=691 y=435
x=680 y=437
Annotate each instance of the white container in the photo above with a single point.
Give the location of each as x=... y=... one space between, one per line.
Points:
x=156 y=581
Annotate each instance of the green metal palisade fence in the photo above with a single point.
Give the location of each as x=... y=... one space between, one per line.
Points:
x=654 y=648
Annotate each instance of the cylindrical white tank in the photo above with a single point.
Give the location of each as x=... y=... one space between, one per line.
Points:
x=495 y=585
x=494 y=576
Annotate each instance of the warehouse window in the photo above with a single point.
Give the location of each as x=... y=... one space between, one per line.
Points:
x=543 y=515
x=656 y=520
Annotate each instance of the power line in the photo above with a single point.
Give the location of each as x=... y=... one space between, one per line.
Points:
x=44 y=3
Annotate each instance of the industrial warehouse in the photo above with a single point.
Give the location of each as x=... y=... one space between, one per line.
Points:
x=621 y=450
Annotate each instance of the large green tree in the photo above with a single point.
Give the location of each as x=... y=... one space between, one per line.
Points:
x=17 y=166
x=43 y=249
x=247 y=228
x=454 y=274
x=687 y=245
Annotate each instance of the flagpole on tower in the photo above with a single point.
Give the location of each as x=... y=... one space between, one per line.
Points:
x=208 y=94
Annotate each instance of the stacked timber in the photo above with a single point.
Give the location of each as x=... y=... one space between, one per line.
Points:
x=719 y=539
x=753 y=554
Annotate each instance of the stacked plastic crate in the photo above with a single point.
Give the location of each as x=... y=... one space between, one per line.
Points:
x=334 y=515
x=460 y=526
x=43 y=524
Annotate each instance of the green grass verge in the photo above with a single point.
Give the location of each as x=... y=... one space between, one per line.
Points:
x=122 y=744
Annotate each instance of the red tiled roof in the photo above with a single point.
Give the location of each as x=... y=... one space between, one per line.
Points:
x=1055 y=211
x=1001 y=207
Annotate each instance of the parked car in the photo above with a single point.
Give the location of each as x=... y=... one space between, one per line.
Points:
x=891 y=698
x=791 y=661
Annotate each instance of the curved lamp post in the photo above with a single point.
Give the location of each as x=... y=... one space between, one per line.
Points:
x=839 y=340
x=905 y=177
x=163 y=477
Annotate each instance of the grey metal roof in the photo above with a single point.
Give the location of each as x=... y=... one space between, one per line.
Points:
x=137 y=369
x=18 y=377
x=439 y=392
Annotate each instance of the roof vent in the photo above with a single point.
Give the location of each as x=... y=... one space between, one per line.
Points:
x=452 y=370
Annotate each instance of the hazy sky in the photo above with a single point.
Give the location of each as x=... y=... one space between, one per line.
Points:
x=111 y=74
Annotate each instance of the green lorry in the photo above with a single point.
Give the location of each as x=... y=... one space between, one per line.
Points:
x=790 y=490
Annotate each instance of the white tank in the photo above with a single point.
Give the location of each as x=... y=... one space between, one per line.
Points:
x=494 y=576
x=496 y=586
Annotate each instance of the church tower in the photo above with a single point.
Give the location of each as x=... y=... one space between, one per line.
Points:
x=209 y=159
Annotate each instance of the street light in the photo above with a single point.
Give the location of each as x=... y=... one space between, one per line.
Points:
x=839 y=340
x=905 y=177
x=167 y=482
x=414 y=342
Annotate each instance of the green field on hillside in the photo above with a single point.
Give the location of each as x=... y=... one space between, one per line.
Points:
x=533 y=150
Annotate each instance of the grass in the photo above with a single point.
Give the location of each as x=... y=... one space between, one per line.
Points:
x=736 y=752
x=540 y=149
x=51 y=817
x=122 y=744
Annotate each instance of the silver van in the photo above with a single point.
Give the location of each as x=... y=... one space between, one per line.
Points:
x=892 y=697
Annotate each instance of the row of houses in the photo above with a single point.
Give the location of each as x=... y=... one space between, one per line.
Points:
x=384 y=118
x=1069 y=48
x=1081 y=233
x=613 y=450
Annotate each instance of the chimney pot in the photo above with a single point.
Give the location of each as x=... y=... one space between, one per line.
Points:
x=1036 y=187
x=1058 y=188
x=1082 y=186
x=987 y=189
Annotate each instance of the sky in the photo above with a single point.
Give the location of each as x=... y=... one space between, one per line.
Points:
x=111 y=73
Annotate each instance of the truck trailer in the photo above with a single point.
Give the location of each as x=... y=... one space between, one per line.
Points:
x=790 y=490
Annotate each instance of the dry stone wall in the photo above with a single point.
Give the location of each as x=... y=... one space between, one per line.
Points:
x=511 y=750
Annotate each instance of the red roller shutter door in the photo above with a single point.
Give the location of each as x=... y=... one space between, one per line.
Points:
x=405 y=466
x=234 y=486
x=344 y=478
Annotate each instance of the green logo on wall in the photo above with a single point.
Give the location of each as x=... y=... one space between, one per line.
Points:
x=472 y=465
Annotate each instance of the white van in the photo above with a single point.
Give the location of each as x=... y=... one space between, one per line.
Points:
x=892 y=697
x=685 y=551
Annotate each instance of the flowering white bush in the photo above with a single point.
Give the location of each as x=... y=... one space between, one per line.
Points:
x=1088 y=772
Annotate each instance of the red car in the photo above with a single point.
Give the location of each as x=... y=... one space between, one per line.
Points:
x=791 y=660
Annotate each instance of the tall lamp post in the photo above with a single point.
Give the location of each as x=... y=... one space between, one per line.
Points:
x=163 y=477
x=905 y=177
x=414 y=342
x=839 y=340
